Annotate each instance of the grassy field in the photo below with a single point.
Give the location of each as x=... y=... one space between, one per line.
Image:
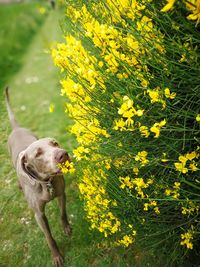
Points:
x=32 y=90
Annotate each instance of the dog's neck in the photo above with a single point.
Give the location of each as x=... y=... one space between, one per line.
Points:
x=34 y=177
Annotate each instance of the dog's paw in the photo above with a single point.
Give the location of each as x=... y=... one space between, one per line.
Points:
x=67 y=230
x=58 y=260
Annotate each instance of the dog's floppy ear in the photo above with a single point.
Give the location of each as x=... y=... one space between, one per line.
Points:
x=24 y=159
x=22 y=168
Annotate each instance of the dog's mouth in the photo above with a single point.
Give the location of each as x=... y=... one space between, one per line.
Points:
x=61 y=168
x=52 y=175
x=57 y=172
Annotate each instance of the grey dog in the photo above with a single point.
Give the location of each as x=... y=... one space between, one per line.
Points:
x=36 y=163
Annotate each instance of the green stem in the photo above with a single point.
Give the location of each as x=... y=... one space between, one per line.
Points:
x=191 y=184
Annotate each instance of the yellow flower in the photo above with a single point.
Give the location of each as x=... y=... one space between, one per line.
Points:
x=168 y=94
x=193 y=167
x=139 y=182
x=51 y=108
x=168 y=6
x=125 y=3
x=135 y=170
x=107 y=163
x=144 y=83
x=126 y=240
x=80 y=152
x=120 y=76
x=168 y=192
x=177 y=185
x=100 y=64
x=198 y=117
x=42 y=10
x=139 y=112
x=174 y=192
x=139 y=185
x=156 y=128
x=192 y=208
x=67 y=167
x=118 y=163
x=186 y=239
x=180 y=167
x=192 y=155
x=157 y=211
x=146 y=206
x=119 y=125
x=126 y=109
x=182 y=159
x=164 y=159
x=126 y=182
x=183 y=58
x=151 y=204
x=141 y=156
x=154 y=95
x=162 y=123
x=194 y=6
x=144 y=131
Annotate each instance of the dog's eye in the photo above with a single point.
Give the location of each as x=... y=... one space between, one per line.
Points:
x=54 y=143
x=39 y=152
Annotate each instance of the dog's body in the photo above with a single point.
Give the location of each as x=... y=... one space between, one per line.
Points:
x=40 y=179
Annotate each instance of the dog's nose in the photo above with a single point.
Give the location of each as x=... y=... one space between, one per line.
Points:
x=61 y=156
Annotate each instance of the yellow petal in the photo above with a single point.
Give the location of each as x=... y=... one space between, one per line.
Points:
x=168 y=6
x=192 y=17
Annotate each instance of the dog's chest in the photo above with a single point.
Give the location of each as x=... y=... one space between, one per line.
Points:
x=48 y=192
x=53 y=188
x=44 y=192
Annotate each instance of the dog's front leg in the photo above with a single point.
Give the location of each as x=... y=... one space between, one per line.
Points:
x=64 y=218
x=42 y=221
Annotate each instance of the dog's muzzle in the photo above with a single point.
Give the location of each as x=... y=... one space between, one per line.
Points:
x=61 y=156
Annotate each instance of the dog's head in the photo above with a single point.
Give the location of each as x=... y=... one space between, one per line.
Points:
x=42 y=157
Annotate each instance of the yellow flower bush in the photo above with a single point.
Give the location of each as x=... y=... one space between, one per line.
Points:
x=131 y=82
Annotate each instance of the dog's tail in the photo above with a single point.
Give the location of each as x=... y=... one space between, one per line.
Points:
x=10 y=113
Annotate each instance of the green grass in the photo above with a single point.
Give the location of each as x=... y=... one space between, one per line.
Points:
x=32 y=89
x=19 y=23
